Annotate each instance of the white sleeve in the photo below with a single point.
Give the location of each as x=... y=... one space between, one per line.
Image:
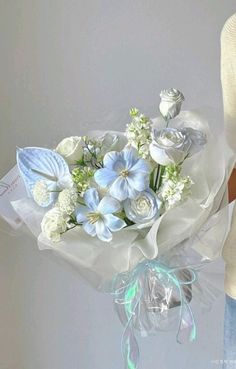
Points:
x=228 y=78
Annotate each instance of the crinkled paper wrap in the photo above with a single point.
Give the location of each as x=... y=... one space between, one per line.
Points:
x=202 y=221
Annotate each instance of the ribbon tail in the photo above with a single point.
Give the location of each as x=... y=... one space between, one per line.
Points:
x=130 y=348
x=187 y=326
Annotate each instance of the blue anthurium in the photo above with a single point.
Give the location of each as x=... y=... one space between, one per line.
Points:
x=44 y=171
x=97 y=216
x=124 y=173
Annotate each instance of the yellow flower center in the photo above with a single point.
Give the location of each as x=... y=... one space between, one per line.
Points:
x=93 y=217
x=124 y=173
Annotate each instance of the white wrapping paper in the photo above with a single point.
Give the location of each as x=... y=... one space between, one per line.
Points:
x=198 y=221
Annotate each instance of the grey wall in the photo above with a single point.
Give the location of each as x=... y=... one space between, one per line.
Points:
x=66 y=67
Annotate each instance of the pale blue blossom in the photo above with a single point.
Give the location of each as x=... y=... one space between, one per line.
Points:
x=124 y=173
x=96 y=216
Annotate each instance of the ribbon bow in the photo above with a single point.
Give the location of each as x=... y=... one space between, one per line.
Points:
x=130 y=290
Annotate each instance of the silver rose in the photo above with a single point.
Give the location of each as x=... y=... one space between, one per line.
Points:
x=171 y=102
x=173 y=146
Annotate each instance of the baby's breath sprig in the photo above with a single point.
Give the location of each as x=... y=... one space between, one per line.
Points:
x=82 y=177
x=138 y=132
x=175 y=187
x=92 y=152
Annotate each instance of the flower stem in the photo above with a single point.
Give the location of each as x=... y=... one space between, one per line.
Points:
x=158 y=179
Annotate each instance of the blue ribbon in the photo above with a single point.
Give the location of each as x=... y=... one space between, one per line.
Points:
x=128 y=290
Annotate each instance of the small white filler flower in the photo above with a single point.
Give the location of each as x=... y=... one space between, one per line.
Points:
x=54 y=223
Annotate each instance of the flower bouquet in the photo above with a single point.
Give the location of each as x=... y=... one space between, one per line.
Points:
x=138 y=213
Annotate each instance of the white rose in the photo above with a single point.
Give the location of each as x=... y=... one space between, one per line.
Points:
x=53 y=224
x=144 y=208
x=71 y=148
x=173 y=146
x=171 y=101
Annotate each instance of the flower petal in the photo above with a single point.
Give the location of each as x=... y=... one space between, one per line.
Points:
x=159 y=155
x=81 y=213
x=89 y=228
x=109 y=205
x=138 y=180
x=132 y=193
x=119 y=189
x=110 y=159
x=114 y=223
x=142 y=166
x=130 y=155
x=102 y=231
x=104 y=177
x=91 y=198
x=198 y=140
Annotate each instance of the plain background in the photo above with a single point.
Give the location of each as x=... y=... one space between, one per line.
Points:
x=67 y=66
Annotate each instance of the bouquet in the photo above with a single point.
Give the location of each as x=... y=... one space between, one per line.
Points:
x=135 y=212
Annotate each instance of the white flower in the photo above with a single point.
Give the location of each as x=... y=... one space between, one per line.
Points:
x=138 y=133
x=71 y=148
x=173 y=146
x=67 y=200
x=171 y=101
x=41 y=193
x=174 y=192
x=53 y=224
x=144 y=208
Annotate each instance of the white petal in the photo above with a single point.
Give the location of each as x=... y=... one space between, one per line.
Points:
x=159 y=155
x=114 y=223
x=109 y=205
x=89 y=228
x=102 y=231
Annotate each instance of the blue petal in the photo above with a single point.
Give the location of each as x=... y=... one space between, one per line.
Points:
x=120 y=165
x=91 y=199
x=89 y=228
x=119 y=189
x=114 y=223
x=102 y=231
x=130 y=156
x=110 y=159
x=109 y=205
x=141 y=166
x=138 y=180
x=37 y=163
x=104 y=177
x=132 y=193
x=81 y=213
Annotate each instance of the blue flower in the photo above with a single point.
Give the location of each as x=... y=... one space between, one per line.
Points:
x=124 y=173
x=97 y=216
x=144 y=209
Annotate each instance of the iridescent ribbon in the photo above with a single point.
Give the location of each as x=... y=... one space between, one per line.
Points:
x=130 y=294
